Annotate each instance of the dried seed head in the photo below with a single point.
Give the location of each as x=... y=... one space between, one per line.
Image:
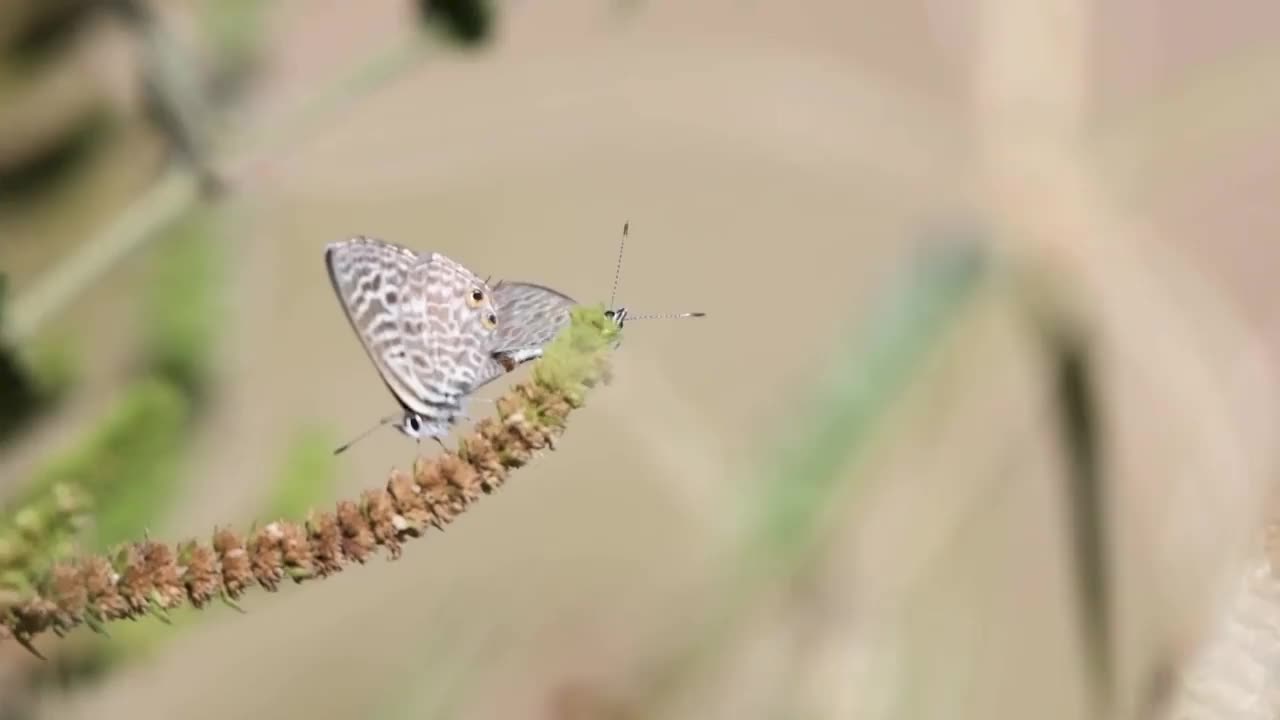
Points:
x=326 y=542
x=151 y=577
x=201 y=576
x=357 y=539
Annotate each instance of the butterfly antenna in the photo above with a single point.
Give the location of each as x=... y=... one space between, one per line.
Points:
x=666 y=316
x=365 y=434
x=617 y=270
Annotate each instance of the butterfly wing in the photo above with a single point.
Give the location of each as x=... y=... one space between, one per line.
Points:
x=372 y=279
x=450 y=329
x=529 y=317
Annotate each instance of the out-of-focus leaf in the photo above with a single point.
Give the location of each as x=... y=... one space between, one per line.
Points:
x=40 y=30
x=469 y=23
x=128 y=465
x=308 y=478
x=19 y=392
x=235 y=31
x=181 y=310
x=867 y=375
x=124 y=471
x=869 y=372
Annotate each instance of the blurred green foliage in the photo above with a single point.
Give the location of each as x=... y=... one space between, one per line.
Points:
x=126 y=465
x=42 y=530
x=864 y=379
x=121 y=477
x=1069 y=354
x=181 y=305
x=468 y=23
x=181 y=315
x=308 y=477
x=39 y=29
x=128 y=469
x=19 y=394
x=46 y=162
x=33 y=382
x=125 y=473
x=51 y=116
x=55 y=365
x=871 y=368
x=235 y=31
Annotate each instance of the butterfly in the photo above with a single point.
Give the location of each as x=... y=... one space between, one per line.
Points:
x=530 y=316
x=428 y=324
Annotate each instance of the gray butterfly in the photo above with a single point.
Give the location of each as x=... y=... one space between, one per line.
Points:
x=428 y=324
x=530 y=316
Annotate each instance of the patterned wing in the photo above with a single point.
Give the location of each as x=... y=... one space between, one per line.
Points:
x=529 y=317
x=372 y=279
x=451 y=328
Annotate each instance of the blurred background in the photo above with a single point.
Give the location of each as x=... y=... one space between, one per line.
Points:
x=981 y=423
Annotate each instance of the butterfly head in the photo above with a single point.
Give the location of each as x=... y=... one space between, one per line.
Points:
x=410 y=423
x=416 y=426
x=618 y=316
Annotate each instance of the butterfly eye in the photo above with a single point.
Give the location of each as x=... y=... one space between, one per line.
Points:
x=490 y=321
x=413 y=424
x=476 y=297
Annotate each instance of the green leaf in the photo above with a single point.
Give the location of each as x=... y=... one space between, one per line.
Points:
x=181 y=309
x=868 y=372
x=309 y=476
x=870 y=369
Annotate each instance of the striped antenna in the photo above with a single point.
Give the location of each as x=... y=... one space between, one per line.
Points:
x=620 y=315
x=667 y=316
x=617 y=270
x=384 y=421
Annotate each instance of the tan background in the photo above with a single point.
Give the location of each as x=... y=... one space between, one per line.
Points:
x=776 y=161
